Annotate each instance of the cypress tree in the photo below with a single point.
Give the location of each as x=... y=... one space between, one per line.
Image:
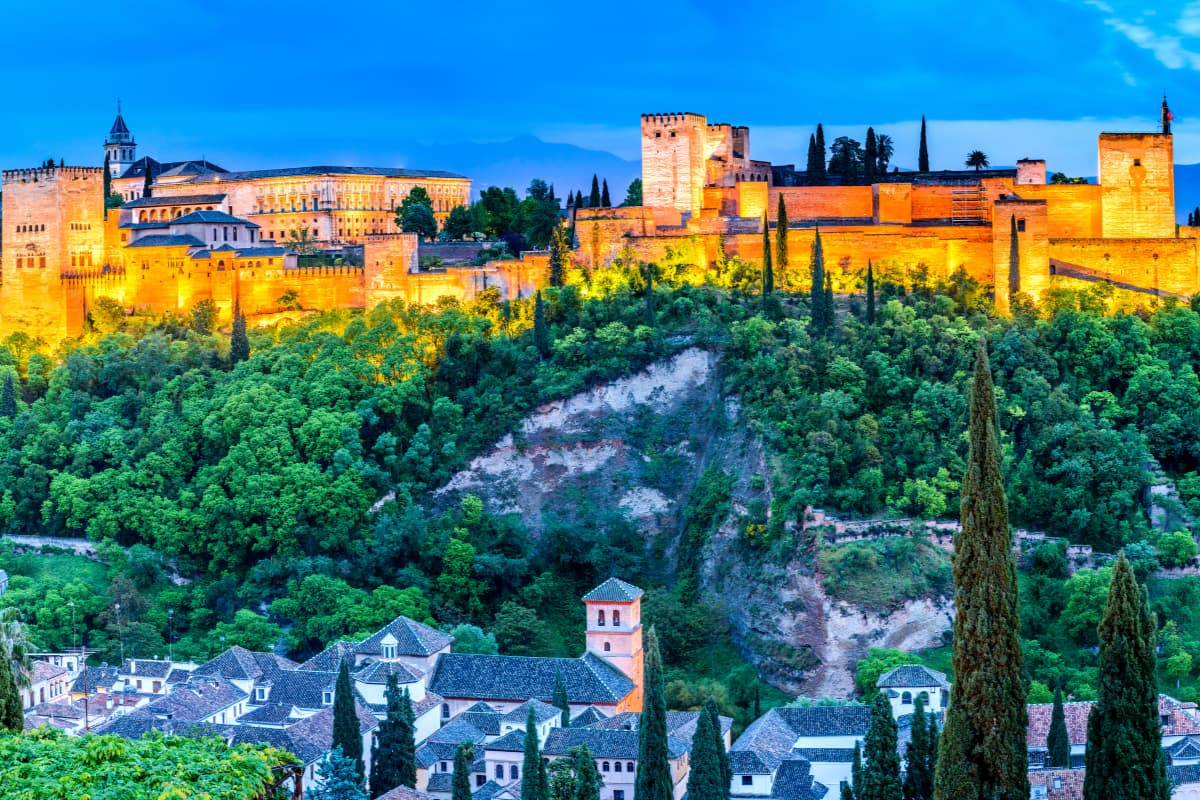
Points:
x=1124 y=738
x=346 y=733
x=605 y=200
x=870 y=158
x=705 y=774
x=653 y=780
x=870 y=293
x=816 y=294
x=923 y=153
x=531 y=784
x=560 y=699
x=108 y=184
x=983 y=751
x=460 y=781
x=822 y=167
x=12 y=718
x=1058 y=742
x=594 y=198
x=881 y=777
x=649 y=271
x=830 y=313
x=768 y=271
x=918 y=779
x=239 y=342
x=1014 y=262
x=541 y=331
x=781 y=241
x=812 y=170
x=856 y=772
x=8 y=397
x=148 y=181
x=559 y=253
x=1196 y=215
x=847 y=792
x=710 y=708
x=932 y=752
x=393 y=757
x=587 y=778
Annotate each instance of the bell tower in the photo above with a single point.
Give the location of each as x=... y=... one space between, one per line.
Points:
x=614 y=632
x=119 y=147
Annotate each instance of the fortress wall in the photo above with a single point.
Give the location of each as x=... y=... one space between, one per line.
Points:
x=1168 y=264
x=753 y=199
x=932 y=202
x=892 y=203
x=673 y=160
x=1032 y=249
x=1138 y=182
x=1073 y=210
x=821 y=202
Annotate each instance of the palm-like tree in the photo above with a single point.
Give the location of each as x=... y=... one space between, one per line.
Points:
x=14 y=646
x=977 y=159
x=885 y=148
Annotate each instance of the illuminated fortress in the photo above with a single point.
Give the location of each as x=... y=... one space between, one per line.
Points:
x=703 y=192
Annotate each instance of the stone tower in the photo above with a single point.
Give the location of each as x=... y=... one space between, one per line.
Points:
x=1137 y=179
x=119 y=146
x=614 y=631
x=674 y=161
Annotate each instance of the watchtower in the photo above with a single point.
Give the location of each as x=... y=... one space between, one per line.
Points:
x=614 y=630
x=674 y=161
x=1137 y=179
x=119 y=146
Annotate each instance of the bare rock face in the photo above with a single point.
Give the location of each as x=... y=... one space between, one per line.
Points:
x=629 y=453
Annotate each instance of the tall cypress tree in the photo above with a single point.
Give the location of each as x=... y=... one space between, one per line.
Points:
x=822 y=167
x=148 y=180
x=983 y=749
x=594 y=198
x=541 y=331
x=239 y=342
x=12 y=717
x=931 y=765
x=531 y=785
x=346 y=733
x=107 y=184
x=649 y=273
x=705 y=775
x=605 y=200
x=856 y=771
x=812 y=169
x=816 y=294
x=870 y=293
x=923 y=153
x=1058 y=742
x=881 y=776
x=918 y=779
x=1124 y=741
x=710 y=708
x=781 y=241
x=587 y=778
x=560 y=250
x=768 y=271
x=8 y=397
x=870 y=158
x=653 y=780
x=1014 y=262
x=830 y=312
x=393 y=757
x=460 y=780
x=560 y=700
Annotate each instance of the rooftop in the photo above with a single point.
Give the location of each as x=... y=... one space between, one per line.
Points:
x=178 y=200
x=321 y=171
x=589 y=679
x=614 y=590
x=912 y=676
x=412 y=638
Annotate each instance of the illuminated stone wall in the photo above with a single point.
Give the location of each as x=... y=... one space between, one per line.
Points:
x=1138 y=180
x=1032 y=246
x=1168 y=265
x=673 y=161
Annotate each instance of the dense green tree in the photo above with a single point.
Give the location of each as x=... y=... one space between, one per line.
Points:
x=339 y=779
x=651 y=317
x=460 y=780
x=653 y=779
x=983 y=749
x=870 y=293
x=781 y=241
x=587 y=777
x=870 y=158
x=977 y=159
x=560 y=256
x=918 y=777
x=250 y=630
x=856 y=771
x=541 y=329
x=459 y=224
x=710 y=708
x=539 y=215
x=502 y=210
x=393 y=759
x=1124 y=740
x=418 y=219
x=12 y=717
x=812 y=171
x=560 y=700
x=633 y=195
x=560 y=779
x=605 y=200
x=594 y=198
x=705 y=776
x=885 y=149
x=846 y=160
x=1058 y=742
x=881 y=776
x=15 y=669
x=346 y=733
x=1014 y=261
x=148 y=180
x=531 y=786
x=239 y=342
x=923 y=151
x=471 y=639
x=8 y=397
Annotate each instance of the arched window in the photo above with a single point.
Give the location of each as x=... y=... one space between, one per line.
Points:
x=445 y=706
x=513 y=772
x=616 y=617
x=600 y=617
x=616 y=766
x=629 y=766
x=604 y=766
x=499 y=772
x=906 y=698
x=607 y=647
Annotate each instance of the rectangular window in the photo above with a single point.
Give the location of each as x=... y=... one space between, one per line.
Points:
x=618 y=794
x=747 y=780
x=1020 y=226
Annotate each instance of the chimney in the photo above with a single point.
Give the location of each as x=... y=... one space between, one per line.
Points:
x=132 y=667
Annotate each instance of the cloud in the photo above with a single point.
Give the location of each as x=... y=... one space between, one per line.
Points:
x=1167 y=40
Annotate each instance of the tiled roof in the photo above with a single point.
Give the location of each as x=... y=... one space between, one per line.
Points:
x=589 y=716
x=441 y=782
x=1182 y=718
x=304 y=172
x=146 y=668
x=483 y=717
x=604 y=742
x=1185 y=773
x=912 y=676
x=378 y=671
x=309 y=738
x=405 y=793
x=826 y=755
x=270 y=714
x=512 y=742
x=1075 y=714
x=180 y=200
x=302 y=688
x=118 y=125
x=488 y=791
x=203 y=216
x=771 y=738
x=64 y=710
x=1186 y=748
x=614 y=590
x=166 y=240
x=238 y=663
x=412 y=639
x=794 y=781
x=178 y=676
x=44 y=671
x=541 y=712
x=330 y=659
x=259 y=252
x=588 y=680
x=103 y=676
x=847 y=720
x=196 y=700
x=198 y=167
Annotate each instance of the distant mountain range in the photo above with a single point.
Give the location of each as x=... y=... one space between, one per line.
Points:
x=1187 y=189
x=518 y=161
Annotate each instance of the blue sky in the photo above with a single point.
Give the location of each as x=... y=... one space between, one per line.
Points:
x=257 y=84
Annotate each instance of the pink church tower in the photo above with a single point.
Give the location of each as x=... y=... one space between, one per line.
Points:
x=614 y=632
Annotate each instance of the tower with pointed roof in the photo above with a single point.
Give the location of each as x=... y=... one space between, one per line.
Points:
x=614 y=631
x=119 y=146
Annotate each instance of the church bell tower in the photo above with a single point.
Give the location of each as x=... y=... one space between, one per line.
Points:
x=119 y=147
x=614 y=632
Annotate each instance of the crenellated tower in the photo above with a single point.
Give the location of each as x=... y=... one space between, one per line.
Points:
x=119 y=146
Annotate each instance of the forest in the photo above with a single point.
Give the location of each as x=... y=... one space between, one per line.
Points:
x=288 y=497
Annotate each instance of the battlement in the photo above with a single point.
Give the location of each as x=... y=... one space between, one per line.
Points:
x=671 y=118
x=30 y=174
